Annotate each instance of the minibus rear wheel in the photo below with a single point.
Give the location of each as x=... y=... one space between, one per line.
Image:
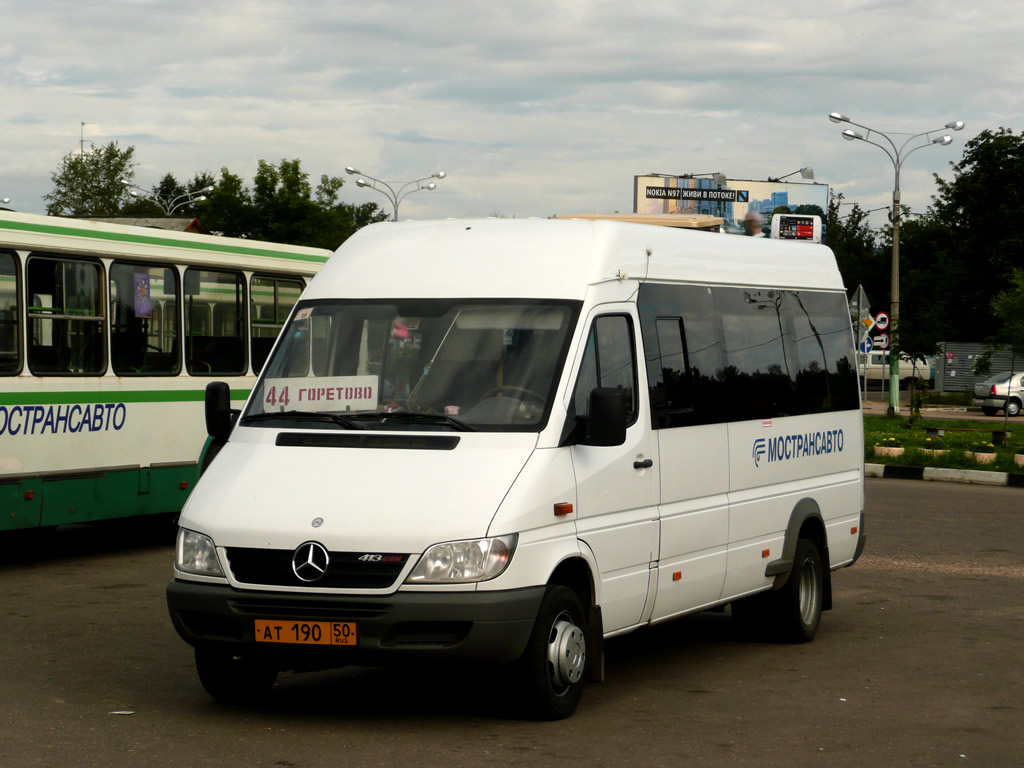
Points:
x=553 y=665
x=798 y=603
x=231 y=678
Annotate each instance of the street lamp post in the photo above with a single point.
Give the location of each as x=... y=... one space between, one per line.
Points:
x=805 y=173
x=168 y=206
x=385 y=188
x=898 y=156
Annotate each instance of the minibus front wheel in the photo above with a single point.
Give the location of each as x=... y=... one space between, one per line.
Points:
x=232 y=678
x=553 y=665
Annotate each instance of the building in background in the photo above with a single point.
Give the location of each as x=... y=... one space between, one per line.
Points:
x=730 y=199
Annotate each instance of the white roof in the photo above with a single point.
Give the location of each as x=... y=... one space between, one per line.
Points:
x=555 y=258
x=67 y=235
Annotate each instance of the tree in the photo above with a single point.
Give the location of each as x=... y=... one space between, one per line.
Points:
x=859 y=258
x=1008 y=306
x=956 y=259
x=282 y=207
x=89 y=184
x=806 y=209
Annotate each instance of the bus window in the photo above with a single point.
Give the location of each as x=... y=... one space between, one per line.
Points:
x=214 y=322
x=66 y=317
x=272 y=301
x=10 y=349
x=140 y=296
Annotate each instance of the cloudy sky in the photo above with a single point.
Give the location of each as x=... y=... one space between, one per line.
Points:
x=532 y=108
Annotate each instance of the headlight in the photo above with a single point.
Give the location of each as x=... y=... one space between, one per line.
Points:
x=459 y=562
x=197 y=554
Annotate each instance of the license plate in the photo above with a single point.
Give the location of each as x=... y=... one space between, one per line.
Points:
x=306 y=632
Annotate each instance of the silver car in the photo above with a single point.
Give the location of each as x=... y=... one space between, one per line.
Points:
x=992 y=393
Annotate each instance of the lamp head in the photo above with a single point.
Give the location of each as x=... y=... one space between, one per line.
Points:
x=807 y=173
x=360 y=182
x=943 y=140
x=956 y=125
x=350 y=170
x=836 y=117
x=439 y=175
x=850 y=135
x=431 y=185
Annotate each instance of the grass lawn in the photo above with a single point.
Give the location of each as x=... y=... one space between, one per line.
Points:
x=919 y=450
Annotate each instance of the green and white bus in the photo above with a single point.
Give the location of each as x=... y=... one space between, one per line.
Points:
x=108 y=337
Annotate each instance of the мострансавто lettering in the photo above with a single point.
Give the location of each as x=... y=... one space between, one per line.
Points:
x=787 y=447
x=61 y=419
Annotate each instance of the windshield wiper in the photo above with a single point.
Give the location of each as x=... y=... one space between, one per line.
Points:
x=427 y=418
x=334 y=418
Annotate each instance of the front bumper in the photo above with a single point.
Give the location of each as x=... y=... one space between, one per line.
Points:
x=491 y=627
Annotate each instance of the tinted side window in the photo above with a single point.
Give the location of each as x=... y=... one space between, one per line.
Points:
x=826 y=377
x=65 y=313
x=10 y=315
x=683 y=354
x=144 y=330
x=272 y=301
x=745 y=353
x=760 y=374
x=609 y=360
x=215 y=327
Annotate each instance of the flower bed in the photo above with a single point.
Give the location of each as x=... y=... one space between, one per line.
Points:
x=982 y=457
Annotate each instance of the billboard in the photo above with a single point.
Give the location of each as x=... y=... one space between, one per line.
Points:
x=731 y=199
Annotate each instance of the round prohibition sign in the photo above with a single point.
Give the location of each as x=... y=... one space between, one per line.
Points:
x=881 y=321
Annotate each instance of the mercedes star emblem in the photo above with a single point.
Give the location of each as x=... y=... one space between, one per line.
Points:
x=309 y=563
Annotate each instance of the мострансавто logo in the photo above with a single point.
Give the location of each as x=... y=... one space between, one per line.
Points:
x=787 y=447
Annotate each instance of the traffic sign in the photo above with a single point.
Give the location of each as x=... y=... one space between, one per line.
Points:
x=866 y=345
x=881 y=321
x=882 y=341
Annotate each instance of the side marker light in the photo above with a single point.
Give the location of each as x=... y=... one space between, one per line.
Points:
x=563 y=508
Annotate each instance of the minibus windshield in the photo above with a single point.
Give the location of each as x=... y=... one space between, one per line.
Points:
x=415 y=365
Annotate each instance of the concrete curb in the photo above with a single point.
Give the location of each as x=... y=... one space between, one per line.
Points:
x=971 y=476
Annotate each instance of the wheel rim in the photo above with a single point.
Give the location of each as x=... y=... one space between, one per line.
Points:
x=810 y=591
x=567 y=652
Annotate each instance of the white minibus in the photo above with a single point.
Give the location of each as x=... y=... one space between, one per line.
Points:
x=506 y=441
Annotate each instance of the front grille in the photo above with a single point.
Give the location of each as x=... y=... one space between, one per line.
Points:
x=345 y=570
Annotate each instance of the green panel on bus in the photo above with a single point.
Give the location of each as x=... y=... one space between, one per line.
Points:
x=21 y=503
x=115 y=495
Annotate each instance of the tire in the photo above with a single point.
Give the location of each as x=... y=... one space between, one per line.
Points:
x=551 y=671
x=233 y=679
x=798 y=603
x=989 y=411
x=1013 y=408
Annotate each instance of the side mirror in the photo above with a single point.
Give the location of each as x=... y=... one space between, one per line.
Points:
x=218 y=410
x=606 y=425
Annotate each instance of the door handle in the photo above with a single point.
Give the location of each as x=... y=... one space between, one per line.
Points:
x=645 y=464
